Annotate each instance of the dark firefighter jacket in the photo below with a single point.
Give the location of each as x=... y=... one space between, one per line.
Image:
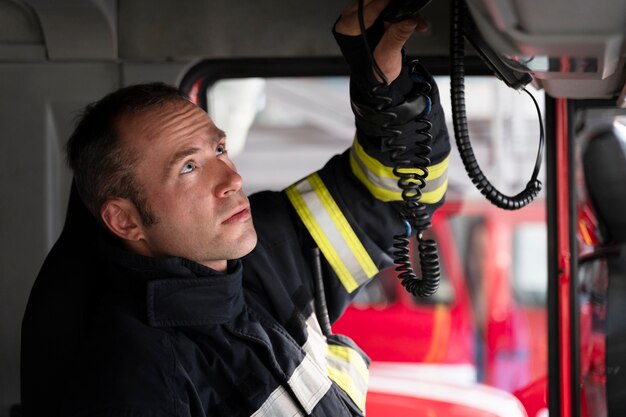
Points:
x=170 y=337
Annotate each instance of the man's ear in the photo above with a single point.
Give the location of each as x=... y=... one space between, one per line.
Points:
x=121 y=217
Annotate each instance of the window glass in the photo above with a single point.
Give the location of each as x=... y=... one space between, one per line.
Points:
x=292 y=127
x=489 y=314
x=530 y=269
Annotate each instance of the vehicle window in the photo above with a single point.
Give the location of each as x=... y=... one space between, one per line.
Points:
x=293 y=125
x=491 y=301
x=600 y=266
x=530 y=269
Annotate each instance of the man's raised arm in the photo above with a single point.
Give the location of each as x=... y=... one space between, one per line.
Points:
x=352 y=207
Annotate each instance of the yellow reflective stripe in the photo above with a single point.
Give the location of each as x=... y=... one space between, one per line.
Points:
x=349 y=371
x=346 y=384
x=350 y=356
x=332 y=232
x=344 y=227
x=382 y=183
x=381 y=170
x=318 y=235
x=345 y=366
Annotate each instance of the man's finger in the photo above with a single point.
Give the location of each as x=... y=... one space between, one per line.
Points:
x=397 y=34
x=388 y=52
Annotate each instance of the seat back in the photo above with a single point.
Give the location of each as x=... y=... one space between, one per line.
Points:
x=604 y=164
x=60 y=306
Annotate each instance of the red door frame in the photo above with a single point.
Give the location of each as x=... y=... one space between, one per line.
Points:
x=564 y=397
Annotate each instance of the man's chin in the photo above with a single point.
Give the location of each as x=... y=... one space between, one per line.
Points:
x=240 y=247
x=248 y=244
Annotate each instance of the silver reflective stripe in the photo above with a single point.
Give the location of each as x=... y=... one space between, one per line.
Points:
x=332 y=232
x=391 y=184
x=309 y=383
x=316 y=342
x=381 y=181
x=388 y=183
x=345 y=366
x=278 y=404
x=435 y=183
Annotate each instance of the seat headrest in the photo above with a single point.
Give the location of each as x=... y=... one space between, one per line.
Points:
x=78 y=219
x=61 y=305
x=604 y=164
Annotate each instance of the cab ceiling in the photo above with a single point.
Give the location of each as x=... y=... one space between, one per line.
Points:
x=158 y=30
x=173 y=30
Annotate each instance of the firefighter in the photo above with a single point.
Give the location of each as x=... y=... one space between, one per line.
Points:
x=207 y=299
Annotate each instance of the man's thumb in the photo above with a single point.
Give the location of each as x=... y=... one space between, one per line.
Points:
x=388 y=52
x=398 y=33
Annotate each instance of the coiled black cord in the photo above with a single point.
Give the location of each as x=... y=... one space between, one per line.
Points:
x=461 y=132
x=412 y=173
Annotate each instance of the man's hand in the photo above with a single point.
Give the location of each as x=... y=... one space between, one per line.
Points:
x=388 y=52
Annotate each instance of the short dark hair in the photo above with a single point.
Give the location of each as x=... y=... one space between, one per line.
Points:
x=102 y=169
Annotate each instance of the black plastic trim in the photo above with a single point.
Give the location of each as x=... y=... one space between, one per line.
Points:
x=212 y=70
x=575 y=385
x=554 y=383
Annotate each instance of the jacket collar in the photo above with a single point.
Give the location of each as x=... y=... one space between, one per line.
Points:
x=180 y=292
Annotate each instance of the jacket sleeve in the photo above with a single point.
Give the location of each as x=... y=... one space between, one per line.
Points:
x=350 y=208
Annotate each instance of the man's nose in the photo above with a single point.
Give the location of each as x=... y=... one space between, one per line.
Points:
x=228 y=179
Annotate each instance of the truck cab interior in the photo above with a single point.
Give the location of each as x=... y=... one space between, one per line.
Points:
x=57 y=56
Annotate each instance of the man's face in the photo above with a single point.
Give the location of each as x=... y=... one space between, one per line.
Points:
x=190 y=186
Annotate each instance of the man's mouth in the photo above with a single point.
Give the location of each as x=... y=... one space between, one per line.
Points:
x=242 y=214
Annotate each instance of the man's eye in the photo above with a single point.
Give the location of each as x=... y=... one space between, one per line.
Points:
x=220 y=149
x=187 y=168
